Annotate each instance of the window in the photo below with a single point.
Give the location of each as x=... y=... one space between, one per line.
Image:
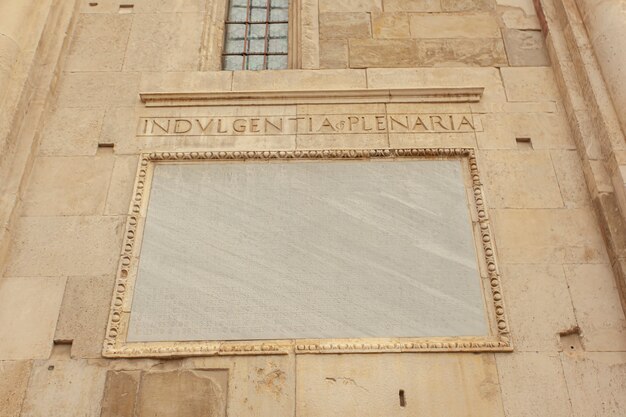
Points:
x=256 y=35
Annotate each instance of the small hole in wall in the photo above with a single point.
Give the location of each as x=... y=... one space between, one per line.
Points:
x=126 y=8
x=105 y=147
x=51 y=368
x=571 y=341
x=524 y=143
x=402 y=398
x=93 y=4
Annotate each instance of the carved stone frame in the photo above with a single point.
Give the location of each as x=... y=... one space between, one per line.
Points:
x=115 y=344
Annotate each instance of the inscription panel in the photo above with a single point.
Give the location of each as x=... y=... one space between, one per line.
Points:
x=339 y=249
x=308 y=124
x=335 y=251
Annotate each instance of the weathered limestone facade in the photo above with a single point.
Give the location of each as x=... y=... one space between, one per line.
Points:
x=541 y=84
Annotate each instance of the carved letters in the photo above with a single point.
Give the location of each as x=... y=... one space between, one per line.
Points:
x=310 y=124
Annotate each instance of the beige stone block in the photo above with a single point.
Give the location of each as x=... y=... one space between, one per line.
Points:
x=345 y=25
x=298 y=80
x=489 y=78
x=467 y=5
x=369 y=385
x=545 y=130
x=390 y=25
x=84 y=314
x=169 y=6
x=309 y=34
x=334 y=53
x=382 y=53
x=338 y=141
x=107 y=6
x=412 y=5
x=65 y=246
x=520 y=179
x=61 y=388
x=121 y=187
x=193 y=143
x=342 y=108
x=13 y=381
x=517 y=107
x=164 y=42
x=350 y=6
x=120 y=393
x=538 y=305
x=596 y=383
x=29 y=308
x=156 y=82
x=530 y=84
x=525 y=48
x=98 y=89
x=548 y=236
x=569 y=173
x=66 y=186
x=258 y=385
x=537 y=376
x=9 y=51
x=480 y=25
x=99 y=42
x=119 y=127
x=517 y=19
x=601 y=177
x=597 y=307
x=525 y=6
x=181 y=393
x=433 y=108
x=71 y=132
x=430 y=140
x=485 y=52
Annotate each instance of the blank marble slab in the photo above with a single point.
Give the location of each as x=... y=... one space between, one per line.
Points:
x=285 y=250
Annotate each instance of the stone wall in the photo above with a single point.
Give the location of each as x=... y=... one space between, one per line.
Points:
x=427 y=33
x=72 y=179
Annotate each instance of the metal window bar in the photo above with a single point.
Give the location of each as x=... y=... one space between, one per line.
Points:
x=246 y=46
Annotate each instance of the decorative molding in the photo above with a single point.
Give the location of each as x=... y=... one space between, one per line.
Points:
x=115 y=344
x=239 y=98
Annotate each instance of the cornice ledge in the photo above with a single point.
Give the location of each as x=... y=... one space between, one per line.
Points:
x=259 y=98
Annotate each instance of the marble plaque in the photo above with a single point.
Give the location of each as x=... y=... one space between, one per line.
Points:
x=307 y=249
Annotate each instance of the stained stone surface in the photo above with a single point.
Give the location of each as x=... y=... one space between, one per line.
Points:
x=284 y=250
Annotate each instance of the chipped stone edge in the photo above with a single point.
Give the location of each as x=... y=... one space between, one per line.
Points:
x=116 y=346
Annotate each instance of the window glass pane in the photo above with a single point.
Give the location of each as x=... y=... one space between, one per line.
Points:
x=256 y=46
x=255 y=62
x=237 y=14
x=279 y=30
x=234 y=38
x=235 y=32
x=258 y=14
x=278 y=45
x=232 y=62
x=279 y=15
x=283 y=4
x=275 y=62
x=256 y=38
